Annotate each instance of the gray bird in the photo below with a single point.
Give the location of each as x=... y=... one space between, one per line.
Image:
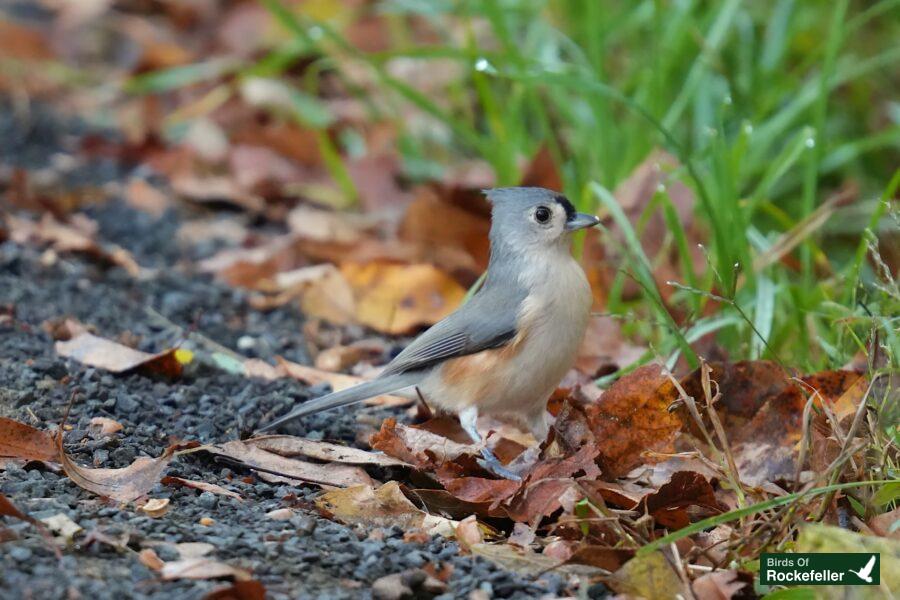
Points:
x=503 y=352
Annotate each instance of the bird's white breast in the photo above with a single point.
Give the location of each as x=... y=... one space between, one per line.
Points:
x=518 y=378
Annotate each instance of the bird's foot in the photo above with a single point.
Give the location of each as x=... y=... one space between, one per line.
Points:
x=493 y=464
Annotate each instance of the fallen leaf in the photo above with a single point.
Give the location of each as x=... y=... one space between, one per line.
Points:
x=382 y=507
x=291 y=447
x=61 y=525
x=542 y=171
x=200 y=485
x=719 y=585
x=649 y=576
x=125 y=484
x=886 y=524
x=340 y=358
x=281 y=514
x=156 y=507
x=417 y=446
x=396 y=299
x=272 y=467
x=106 y=354
x=105 y=426
x=448 y=235
x=18 y=440
x=667 y=505
x=150 y=559
x=75 y=236
x=632 y=417
x=468 y=533
x=529 y=563
x=328 y=225
x=602 y=557
x=144 y=197
x=202 y=568
x=188 y=550
x=239 y=590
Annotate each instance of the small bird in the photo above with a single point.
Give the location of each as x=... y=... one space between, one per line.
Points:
x=505 y=350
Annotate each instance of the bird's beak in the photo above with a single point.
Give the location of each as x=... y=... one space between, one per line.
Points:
x=581 y=221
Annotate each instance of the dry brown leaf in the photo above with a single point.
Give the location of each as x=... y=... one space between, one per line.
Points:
x=339 y=358
x=719 y=585
x=450 y=236
x=18 y=440
x=200 y=485
x=150 y=559
x=105 y=426
x=382 y=507
x=542 y=172
x=468 y=533
x=156 y=507
x=239 y=590
x=216 y=189
x=649 y=576
x=632 y=417
x=328 y=225
x=75 y=236
x=144 y=197
x=106 y=354
x=397 y=299
x=337 y=381
x=290 y=447
x=254 y=167
x=418 y=446
x=125 y=484
x=62 y=526
x=686 y=489
x=882 y=524
x=202 y=568
x=272 y=467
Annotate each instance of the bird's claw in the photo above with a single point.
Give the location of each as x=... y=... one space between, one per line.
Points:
x=492 y=464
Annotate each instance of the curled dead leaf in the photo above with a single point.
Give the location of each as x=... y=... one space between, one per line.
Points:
x=202 y=568
x=156 y=507
x=632 y=417
x=105 y=426
x=273 y=467
x=18 y=440
x=125 y=484
x=106 y=354
x=396 y=299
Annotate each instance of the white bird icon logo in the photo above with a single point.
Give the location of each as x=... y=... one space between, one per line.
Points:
x=866 y=572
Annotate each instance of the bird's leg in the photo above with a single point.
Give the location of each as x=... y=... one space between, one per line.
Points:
x=468 y=419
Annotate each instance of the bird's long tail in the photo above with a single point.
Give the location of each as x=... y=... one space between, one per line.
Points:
x=357 y=393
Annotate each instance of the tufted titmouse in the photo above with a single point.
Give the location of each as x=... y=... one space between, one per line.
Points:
x=504 y=351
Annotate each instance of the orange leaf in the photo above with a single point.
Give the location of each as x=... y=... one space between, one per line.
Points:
x=18 y=440
x=632 y=417
x=396 y=299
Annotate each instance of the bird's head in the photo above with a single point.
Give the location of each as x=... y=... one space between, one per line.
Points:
x=530 y=218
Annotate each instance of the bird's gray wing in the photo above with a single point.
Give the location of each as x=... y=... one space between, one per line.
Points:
x=487 y=321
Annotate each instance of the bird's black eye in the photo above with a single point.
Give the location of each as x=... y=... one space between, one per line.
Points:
x=542 y=214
